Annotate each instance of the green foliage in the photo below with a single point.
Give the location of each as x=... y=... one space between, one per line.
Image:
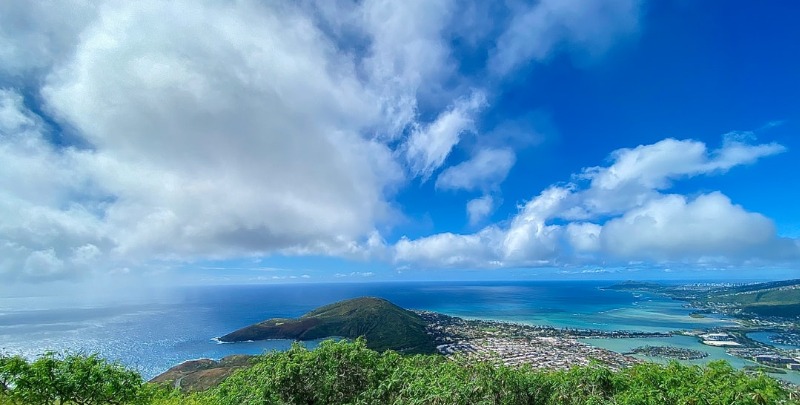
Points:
x=351 y=373
x=67 y=379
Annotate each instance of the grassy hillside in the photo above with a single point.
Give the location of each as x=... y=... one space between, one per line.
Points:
x=779 y=299
x=772 y=309
x=783 y=295
x=770 y=299
x=383 y=324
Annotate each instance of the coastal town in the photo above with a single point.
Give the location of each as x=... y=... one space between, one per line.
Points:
x=545 y=347
x=517 y=344
x=669 y=352
x=447 y=329
x=538 y=352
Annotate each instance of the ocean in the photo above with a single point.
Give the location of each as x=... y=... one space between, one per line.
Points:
x=154 y=333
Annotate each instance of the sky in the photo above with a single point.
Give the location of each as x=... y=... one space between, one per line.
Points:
x=377 y=140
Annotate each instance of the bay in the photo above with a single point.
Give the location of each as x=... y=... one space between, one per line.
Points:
x=156 y=332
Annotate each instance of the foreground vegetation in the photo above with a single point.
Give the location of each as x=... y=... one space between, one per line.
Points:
x=350 y=373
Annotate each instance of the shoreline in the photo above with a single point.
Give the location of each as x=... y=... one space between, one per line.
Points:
x=544 y=346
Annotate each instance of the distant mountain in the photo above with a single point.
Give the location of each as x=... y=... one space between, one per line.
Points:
x=778 y=298
x=632 y=285
x=770 y=299
x=758 y=287
x=384 y=325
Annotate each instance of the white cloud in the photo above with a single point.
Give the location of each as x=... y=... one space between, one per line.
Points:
x=636 y=175
x=218 y=130
x=215 y=130
x=623 y=217
x=654 y=166
x=479 y=208
x=536 y=30
x=355 y=274
x=484 y=171
x=211 y=130
x=14 y=119
x=583 y=237
x=450 y=250
x=408 y=58
x=428 y=146
x=44 y=234
x=675 y=228
x=183 y=138
x=529 y=238
x=35 y=34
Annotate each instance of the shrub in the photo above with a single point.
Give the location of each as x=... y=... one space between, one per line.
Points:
x=68 y=379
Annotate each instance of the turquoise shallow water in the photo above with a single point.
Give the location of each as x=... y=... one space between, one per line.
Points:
x=764 y=337
x=688 y=342
x=583 y=305
x=154 y=333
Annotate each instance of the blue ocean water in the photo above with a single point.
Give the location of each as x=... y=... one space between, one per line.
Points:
x=154 y=333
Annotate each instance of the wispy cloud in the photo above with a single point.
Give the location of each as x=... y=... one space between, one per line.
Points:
x=354 y=274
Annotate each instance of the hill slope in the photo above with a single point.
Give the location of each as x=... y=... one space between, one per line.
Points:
x=202 y=374
x=383 y=324
x=779 y=299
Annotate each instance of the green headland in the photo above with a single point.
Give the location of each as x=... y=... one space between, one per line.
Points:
x=384 y=325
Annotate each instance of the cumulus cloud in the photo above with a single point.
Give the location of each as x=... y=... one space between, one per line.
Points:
x=450 y=250
x=623 y=215
x=211 y=130
x=638 y=174
x=35 y=34
x=479 y=208
x=220 y=159
x=673 y=227
x=654 y=166
x=44 y=234
x=172 y=132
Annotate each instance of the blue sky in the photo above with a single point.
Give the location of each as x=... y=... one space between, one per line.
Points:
x=207 y=142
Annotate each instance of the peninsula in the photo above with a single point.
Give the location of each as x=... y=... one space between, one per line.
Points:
x=384 y=325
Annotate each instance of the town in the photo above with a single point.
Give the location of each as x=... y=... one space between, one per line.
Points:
x=539 y=346
x=537 y=352
x=669 y=352
x=516 y=344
